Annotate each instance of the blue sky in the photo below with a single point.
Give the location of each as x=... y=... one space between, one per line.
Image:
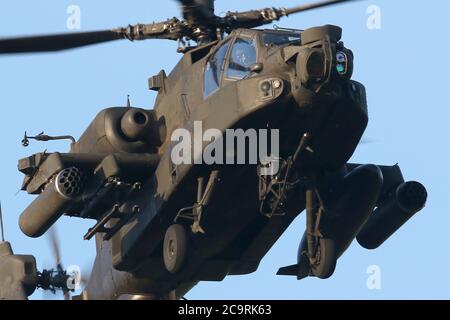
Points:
x=403 y=65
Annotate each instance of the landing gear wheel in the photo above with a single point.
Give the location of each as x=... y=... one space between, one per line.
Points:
x=325 y=260
x=175 y=248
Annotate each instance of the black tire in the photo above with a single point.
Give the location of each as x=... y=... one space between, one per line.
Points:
x=326 y=256
x=175 y=248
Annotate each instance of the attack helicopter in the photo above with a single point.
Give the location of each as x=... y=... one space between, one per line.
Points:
x=162 y=226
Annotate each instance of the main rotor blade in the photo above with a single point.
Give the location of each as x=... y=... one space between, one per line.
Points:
x=186 y=2
x=209 y=4
x=257 y=18
x=57 y=42
x=311 y=6
x=198 y=12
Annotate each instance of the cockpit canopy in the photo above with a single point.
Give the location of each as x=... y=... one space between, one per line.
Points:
x=277 y=38
x=233 y=59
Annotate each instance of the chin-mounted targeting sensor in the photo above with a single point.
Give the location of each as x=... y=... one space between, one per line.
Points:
x=323 y=57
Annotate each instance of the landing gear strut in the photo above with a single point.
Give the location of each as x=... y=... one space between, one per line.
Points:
x=320 y=250
x=176 y=240
x=195 y=212
x=273 y=189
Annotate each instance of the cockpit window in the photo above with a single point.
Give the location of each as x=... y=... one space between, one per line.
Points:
x=243 y=56
x=214 y=70
x=279 y=39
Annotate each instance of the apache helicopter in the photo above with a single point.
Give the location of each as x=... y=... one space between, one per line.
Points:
x=160 y=227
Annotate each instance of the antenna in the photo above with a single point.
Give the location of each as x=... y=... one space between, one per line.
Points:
x=44 y=138
x=128 y=101
x=1 y=224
